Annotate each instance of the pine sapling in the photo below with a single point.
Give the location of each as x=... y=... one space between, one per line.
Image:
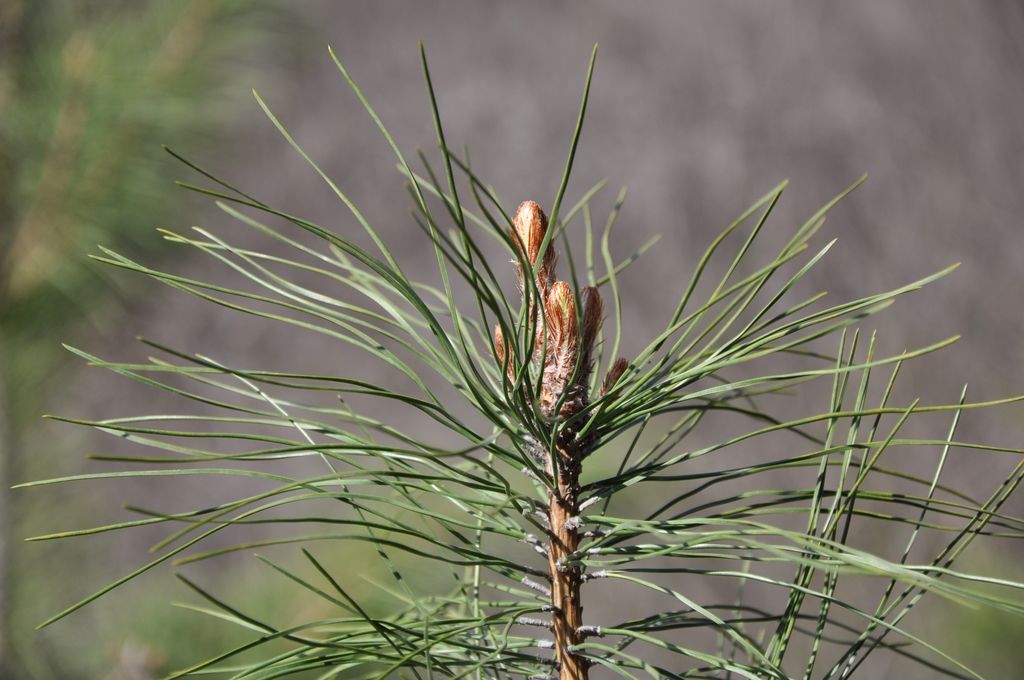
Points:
x=500 y=509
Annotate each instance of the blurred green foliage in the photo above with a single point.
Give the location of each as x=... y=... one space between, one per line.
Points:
x=88 y=91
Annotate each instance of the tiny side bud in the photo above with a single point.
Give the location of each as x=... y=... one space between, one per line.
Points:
x=593 y=315
x=614 y=373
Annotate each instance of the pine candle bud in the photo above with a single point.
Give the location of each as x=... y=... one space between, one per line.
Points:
x=529 y=226
x=565 y=340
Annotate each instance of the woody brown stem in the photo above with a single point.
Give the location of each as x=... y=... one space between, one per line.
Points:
x=563 y=506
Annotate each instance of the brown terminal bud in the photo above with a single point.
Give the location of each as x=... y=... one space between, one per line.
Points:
x=529 y=226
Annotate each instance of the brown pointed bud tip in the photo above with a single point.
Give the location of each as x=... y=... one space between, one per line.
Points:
x=593 y=315
x=560 y=307
x=530 y=224
x=614 y=373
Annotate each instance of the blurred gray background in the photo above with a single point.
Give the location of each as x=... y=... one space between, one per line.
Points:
x=698 y=107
